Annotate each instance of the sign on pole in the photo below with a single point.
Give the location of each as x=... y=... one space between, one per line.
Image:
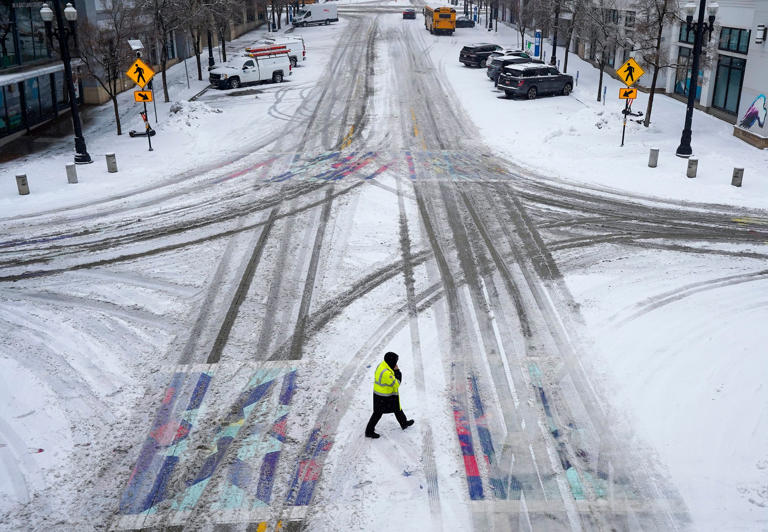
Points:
x=630 y=72
x=142 y=96
x=627 y=94
x=140 y=73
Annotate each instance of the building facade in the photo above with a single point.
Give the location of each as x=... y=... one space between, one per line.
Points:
x=733 y=73
x=32 y=87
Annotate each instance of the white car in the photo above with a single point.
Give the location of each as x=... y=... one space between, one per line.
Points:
x=249 y=68
x=294 y=44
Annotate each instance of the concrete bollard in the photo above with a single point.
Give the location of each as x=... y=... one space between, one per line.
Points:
x=738 y=175
x=71 y=173
x=22 y=184
x=653 y=158
x=111 y=163
x=693 y=166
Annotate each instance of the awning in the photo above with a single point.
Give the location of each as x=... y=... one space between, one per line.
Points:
x=33 y=72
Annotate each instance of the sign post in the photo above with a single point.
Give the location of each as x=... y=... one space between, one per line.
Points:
x=629 y=73
x=537 y=43
x=141 y=74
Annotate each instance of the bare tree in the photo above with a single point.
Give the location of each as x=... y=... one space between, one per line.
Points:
x=195 y=21
x=653 y=16
x=574 y=9
x=104 y=49
x=167 y=16
x=5 y=31
x=522 y=13
x=598 y=24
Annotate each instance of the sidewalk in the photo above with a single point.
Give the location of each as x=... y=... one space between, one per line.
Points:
x=191 y=135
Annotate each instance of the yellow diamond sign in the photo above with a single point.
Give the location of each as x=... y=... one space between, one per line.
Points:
x=140 y=73
x=630 y=72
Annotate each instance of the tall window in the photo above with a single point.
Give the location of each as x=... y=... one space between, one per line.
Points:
x=734 y=40
x=629 y=19
x=31 y=31
x=13 y=107
x=730 y=76
x=47 y=103
x=62 y=96
x=683 y=73
x=687 y=35
x=3 y=120
x=7 y=46
x=32 y=100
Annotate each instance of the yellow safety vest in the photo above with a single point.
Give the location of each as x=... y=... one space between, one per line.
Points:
x=384 y=381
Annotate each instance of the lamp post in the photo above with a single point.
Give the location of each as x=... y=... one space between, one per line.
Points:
x=210 y=50
x=63 y=33
x=685 y=150
x=553 y=59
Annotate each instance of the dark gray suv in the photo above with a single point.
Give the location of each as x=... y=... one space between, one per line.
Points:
x=476 y=55
x=531 y=79
x=496 y=64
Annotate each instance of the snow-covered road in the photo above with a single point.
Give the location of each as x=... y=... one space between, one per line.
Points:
x=198 y=350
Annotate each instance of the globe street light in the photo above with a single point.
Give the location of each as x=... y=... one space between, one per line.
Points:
x=685 y=150
x=63 y=33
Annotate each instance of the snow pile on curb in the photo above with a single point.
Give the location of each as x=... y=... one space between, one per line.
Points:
x=189 y=114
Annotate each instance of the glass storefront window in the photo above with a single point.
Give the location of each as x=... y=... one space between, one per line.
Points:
x=734 y=40
x=61 y=94
x=32 y=100
x=31 y=31
x=3 y=121
x=686 y=34
x=7 y=47
x=728 y=82
x=683 y=73
x=47 y=103
x=13 y=106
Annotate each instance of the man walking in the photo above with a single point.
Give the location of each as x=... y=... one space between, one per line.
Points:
x=386 y=383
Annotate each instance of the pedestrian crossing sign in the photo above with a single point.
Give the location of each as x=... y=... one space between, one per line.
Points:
x=630 y=72
x=140 y=73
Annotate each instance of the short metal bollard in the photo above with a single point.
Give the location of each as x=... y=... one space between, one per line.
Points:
x=71 y=173
x=22 y=184
x=653 y=158
x=738 y=175
x=111 y=163
x=693 y=166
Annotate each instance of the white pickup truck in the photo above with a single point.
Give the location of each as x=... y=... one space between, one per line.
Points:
x=249 y=68
x=316 y=14
x=294 y=44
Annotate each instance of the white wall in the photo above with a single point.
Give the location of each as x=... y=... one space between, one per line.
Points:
x=755 y=89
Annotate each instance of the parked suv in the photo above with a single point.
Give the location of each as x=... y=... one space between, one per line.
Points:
x=476 y=55
x=496 y=64
x=510 y=51
x=532 y=79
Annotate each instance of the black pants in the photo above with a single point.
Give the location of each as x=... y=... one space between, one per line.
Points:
x=376 y=416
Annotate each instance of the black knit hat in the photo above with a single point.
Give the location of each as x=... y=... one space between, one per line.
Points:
x=391 y=359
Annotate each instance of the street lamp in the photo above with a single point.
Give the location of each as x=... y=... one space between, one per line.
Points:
x=63 y=33
x=553 y=59
x=684 y=150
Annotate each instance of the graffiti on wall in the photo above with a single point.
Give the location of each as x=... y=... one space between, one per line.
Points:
x=755 y=113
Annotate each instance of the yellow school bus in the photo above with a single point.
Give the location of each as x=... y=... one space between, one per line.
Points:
x=440 y=19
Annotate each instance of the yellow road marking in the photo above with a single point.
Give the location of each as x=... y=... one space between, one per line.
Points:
x=416 y=130
x=748 y=220
x=348 y=139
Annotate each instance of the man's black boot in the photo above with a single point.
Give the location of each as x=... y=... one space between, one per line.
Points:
x=408 y=424
x=372 y=435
